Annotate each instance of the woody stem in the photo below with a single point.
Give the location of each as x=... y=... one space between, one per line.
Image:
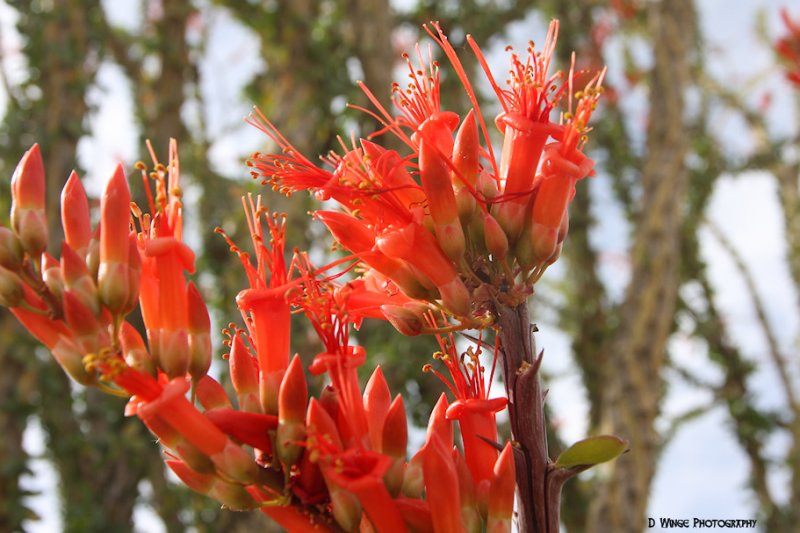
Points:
x=526 y=413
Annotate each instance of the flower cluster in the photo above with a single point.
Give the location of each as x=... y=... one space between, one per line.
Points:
x=445 y=223
x=437 y=238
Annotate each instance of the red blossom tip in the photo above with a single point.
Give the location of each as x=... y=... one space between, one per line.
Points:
x=395 y=429
x=75 y=217
x=376 y=405
x=293 y=396
x=212 y=394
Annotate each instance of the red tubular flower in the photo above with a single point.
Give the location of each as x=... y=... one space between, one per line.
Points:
x=361 y=473
x=330 y=319
x=414 y=244
x=563 y=165
x=472 y=408
x=231 y=495
x=28 y=217
x=352 y=233
x=173 y=407
x=264 y=306
x=171 y=258
x=177 y=444
x=248 y=428
x=57 y=337
x=270 y=314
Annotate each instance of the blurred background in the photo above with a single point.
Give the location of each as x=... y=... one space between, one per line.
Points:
x=672 y=318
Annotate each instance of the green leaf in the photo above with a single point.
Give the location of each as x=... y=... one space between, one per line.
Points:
x=592 y=451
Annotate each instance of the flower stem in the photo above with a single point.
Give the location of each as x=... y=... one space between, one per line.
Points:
x=526 y=412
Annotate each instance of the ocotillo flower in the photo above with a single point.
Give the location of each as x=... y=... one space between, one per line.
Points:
x=472 y=407
x=166 y=259
x=264 y=306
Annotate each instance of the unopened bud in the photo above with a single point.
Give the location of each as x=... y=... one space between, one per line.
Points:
x=377 y=399
x=88 y=331
x=466 y=152
x=135 y=351
x=244 y=376
x=11 y=291
x=93 y=254
x=11 y=252
x=113 y=275
x=456 y=297
x=413 y=478
x=75 y=214
x=51 y=275
x=495 y=238
x=173 y=352
x=404 y=320
x=487 y=186
x=292 y=403
x=346 y=508
x=236 y=463
x=543 y=241
x=199 y=334
x=77 y=279
x=134 y=275
x=501 y=494
x=28 y=216
x=395 y=429
x=211 y=394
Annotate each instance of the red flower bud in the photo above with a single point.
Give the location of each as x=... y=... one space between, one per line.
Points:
x=376 y=405
x=75 y=217
x=501 y=495
x=28 y=217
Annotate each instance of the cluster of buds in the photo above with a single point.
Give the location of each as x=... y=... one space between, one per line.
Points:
x=445 y=223
x=76 y=304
